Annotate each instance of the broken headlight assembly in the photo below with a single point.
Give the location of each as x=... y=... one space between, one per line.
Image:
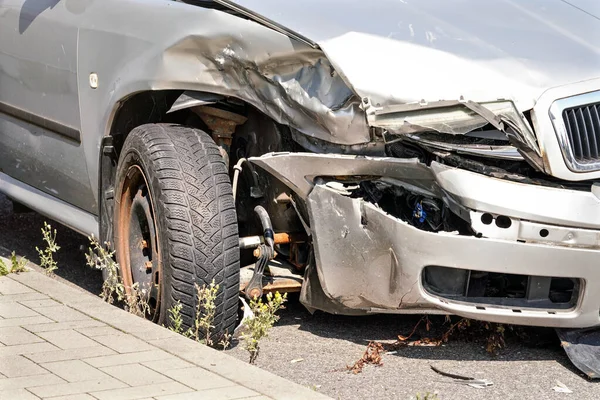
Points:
x=489 y=130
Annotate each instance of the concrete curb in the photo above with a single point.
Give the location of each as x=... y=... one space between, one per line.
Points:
x=202 y=356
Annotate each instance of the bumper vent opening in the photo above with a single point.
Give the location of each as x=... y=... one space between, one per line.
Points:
x=496 y=289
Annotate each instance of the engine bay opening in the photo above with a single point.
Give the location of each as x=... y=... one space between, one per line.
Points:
x=417 y=209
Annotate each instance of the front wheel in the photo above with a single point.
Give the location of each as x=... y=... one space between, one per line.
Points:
x=175 y=223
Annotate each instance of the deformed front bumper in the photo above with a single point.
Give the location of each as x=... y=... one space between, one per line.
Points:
x=370 y=261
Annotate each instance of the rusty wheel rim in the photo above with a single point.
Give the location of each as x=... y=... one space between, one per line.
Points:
x=138 y=249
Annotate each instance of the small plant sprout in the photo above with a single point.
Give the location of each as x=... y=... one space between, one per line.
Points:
x=204 y=317
x=100 y=257
x=176 y=318
x=427 y=396
x=16 y=265
x=225 y=340
x=4 y=270
x=47 y=255
x=258 y=327
x=205 y=313
x=137 y=301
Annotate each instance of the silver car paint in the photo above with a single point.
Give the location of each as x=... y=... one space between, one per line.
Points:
x=552 y=206
x=396 y=253
x=402 y=51
x=292 y=82
x=369 y=261
x=135 y=45
x=210 y=51
x=38 y=75
x=81 y=221
x=206 y=50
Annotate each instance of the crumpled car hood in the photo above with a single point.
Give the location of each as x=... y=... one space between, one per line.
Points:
x=403 y=51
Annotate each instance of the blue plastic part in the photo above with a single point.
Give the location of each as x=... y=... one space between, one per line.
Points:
x=420 y=213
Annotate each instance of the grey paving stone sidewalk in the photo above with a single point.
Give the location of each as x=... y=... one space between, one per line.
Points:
x=59 y=342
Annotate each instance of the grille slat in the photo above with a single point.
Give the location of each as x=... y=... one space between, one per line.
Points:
x=595 y=117
x=582 y=124
x=589 y=122
x=575 y=135
x=585 y=140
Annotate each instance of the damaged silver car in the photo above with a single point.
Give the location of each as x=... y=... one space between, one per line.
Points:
x=395 y=156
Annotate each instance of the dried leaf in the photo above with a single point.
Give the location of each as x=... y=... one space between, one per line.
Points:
x=372 y=356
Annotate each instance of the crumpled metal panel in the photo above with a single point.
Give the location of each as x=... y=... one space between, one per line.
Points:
x=298 y=170
x=575 y=208
x=369 y=272
x=172 y=45
x=369 y=260
x=475 y=191
x=406 y=51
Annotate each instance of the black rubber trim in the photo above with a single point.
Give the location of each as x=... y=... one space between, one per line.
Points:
x=269 y=23
x=42 y=122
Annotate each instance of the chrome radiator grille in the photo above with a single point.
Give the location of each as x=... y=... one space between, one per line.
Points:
x=576 y=120
x=582 y=125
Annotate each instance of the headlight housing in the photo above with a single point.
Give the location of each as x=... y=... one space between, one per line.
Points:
x=461 y=118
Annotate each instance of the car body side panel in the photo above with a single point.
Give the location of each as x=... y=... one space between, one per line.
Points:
x=164 y=45
x=39 y=111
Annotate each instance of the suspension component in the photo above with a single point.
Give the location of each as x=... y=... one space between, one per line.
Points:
x=264 y=253
x=255 y=286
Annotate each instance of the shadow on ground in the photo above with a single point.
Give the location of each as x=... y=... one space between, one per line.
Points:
x=21 y=233
x=385 y=328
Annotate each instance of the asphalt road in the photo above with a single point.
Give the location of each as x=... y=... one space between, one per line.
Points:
x=314 y=350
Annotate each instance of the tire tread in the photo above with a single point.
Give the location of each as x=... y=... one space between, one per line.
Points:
x=196 y=208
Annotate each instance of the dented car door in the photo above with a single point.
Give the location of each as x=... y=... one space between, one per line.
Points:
x=40 y=141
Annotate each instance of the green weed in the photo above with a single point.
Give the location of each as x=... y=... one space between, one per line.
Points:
x=47 y=255
x=176 y=318
x=113 y=289
x=265 y=317
x=100 y=257
x=205 y=313
x=426 y=396
x=16 y=265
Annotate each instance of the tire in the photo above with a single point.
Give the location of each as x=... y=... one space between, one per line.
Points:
x=184 y=194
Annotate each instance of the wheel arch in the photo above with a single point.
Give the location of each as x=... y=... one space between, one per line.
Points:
x=156 y=106
x=206 y=50
x=128 y=113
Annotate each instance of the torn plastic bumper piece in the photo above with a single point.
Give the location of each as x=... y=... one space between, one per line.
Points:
x=583 y=349
x=368 y=261
x=371 y=261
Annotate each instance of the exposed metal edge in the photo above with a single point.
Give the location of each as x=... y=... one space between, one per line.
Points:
x=65 y=213
x=491 y=151
x=267 y=22
x=399 y=108
x=42 y=122
x=298 y=170
x=192 y=99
